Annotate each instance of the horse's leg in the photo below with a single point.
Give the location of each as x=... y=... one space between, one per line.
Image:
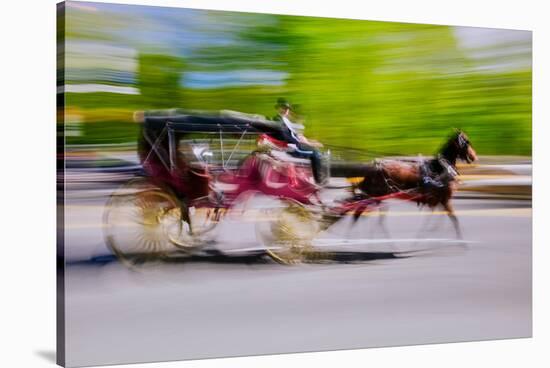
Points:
x=382 y=210
x=451 y=213
x=351 y=226
x=423 y=230
x=424 y=227
x=356 y=215
x=382 y=213
x=435 y=222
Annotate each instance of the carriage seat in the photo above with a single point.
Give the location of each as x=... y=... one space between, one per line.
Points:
x=267 y=141
x=280 y=149
x=284 y=156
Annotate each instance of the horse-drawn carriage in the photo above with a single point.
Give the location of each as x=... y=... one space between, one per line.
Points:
x=198 y=166
x=195 y=167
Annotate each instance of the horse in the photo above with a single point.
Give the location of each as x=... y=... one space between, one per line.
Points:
x=429 y=182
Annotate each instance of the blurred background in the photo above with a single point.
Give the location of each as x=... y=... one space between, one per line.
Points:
x=379 y=87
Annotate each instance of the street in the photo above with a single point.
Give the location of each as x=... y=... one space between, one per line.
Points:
x=230 y=306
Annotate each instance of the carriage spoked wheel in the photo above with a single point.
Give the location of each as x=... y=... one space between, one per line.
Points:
x=191 y=228
x=138 y=221
x=287 y=232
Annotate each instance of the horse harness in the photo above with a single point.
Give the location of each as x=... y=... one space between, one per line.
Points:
x=434 y=174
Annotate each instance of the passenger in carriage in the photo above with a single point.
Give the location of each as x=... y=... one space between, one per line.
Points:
x=302 y=147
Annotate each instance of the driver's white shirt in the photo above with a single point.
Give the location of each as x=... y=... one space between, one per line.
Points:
x=290 y=125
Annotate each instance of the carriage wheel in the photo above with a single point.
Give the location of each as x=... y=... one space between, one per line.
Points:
x=136 y=220
x=190 y=228
x=288 y=232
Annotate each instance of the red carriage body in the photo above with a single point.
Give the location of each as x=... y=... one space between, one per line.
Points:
x=172 y=156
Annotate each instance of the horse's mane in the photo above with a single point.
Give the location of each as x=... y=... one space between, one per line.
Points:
x=448 y=149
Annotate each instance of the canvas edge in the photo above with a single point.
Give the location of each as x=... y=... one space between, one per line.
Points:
x=60 y=187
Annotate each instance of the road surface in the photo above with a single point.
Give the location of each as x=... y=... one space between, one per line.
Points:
x=234 y=306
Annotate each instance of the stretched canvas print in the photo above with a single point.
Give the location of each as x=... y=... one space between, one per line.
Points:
x=234 y=184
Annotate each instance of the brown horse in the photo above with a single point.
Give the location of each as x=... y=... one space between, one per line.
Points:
x=428 y=182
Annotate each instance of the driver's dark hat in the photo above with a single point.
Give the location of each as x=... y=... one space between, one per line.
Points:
x=282 y=102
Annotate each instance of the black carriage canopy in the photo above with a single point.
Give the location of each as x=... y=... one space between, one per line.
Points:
x=189 y=121
x=162 y=129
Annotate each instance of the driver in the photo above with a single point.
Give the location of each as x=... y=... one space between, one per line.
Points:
x=303 y=147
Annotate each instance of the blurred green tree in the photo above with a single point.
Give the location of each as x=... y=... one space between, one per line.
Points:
x=378 y=87
x=158 y=79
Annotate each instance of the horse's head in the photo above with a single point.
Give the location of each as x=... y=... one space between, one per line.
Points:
x=465 y=150
x=459 y=146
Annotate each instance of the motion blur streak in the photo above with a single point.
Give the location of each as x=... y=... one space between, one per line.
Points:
x=375 y=86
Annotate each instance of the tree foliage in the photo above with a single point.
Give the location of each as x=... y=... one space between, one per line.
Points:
x=378 y=86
